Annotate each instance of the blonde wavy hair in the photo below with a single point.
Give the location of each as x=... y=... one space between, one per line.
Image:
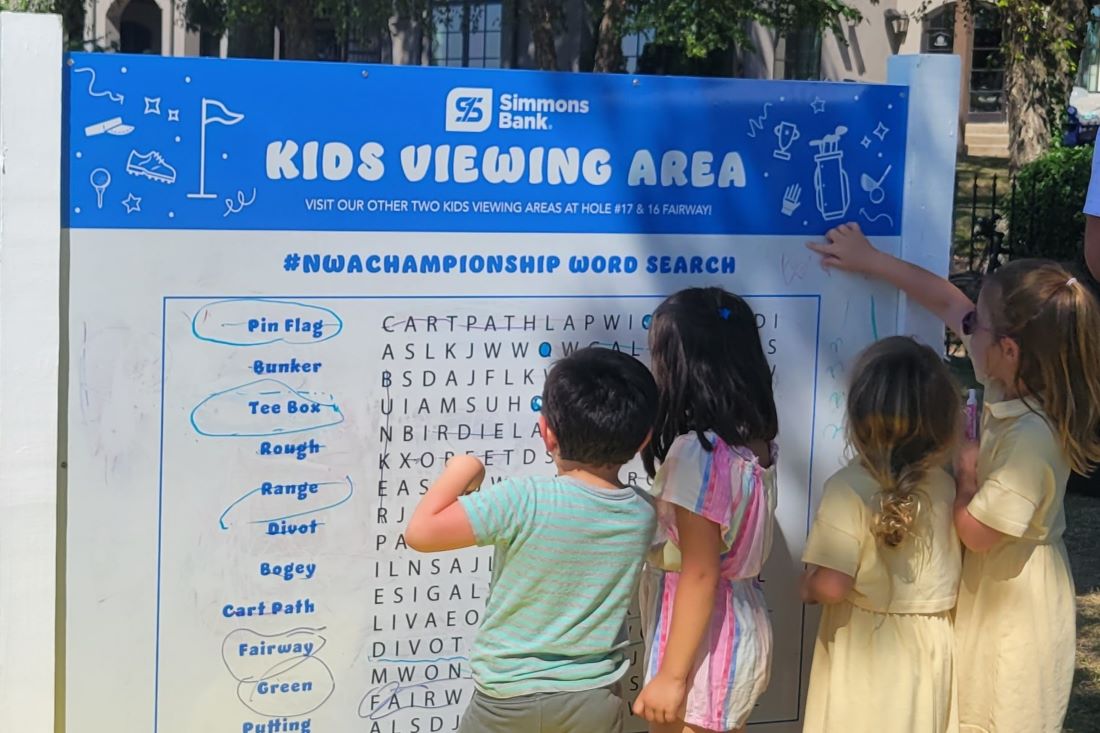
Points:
x=904 y=412
x=1055 y=321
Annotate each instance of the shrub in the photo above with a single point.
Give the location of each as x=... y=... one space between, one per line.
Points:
x=1044 y=213
x=1045 y=220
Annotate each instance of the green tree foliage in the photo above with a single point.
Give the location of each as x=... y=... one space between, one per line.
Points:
x=701 y=27
x=697 y=28
x=71 y=12
x=1045 y=218
x=1041 y=42
x=297 y=19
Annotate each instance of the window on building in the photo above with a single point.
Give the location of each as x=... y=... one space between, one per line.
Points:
x=210 y=44
x=1088 y=72
x=467 y=33
x=253 y=40
x=365 y=50
x=633 y=47
x=938 y=30
x=140 y=28
x=799 y=55
x=987 y=66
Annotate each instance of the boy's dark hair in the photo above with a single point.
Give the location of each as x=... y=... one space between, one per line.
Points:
x=601 y=404
x=711 y=373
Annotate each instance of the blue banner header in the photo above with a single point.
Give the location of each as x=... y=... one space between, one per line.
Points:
x=188 y=143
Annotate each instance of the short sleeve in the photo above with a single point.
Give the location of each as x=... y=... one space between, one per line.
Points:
x=684 y=475
x=1092 y=200
x=838 y=530
x=497 y=512
x=1017 y=480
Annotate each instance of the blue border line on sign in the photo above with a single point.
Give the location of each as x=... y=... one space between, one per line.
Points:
x=160 y=509
x=160 y=479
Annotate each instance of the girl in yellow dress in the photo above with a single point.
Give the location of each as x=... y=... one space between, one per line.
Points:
x=1034 y=338
x=883 y=554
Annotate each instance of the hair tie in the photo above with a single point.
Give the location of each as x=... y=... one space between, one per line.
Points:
x=1072 y=281
x=725 y=313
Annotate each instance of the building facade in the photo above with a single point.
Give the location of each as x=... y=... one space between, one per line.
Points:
x=146 y=26
x=494 y=33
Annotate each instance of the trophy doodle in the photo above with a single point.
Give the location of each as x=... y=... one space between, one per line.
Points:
x=786 y=133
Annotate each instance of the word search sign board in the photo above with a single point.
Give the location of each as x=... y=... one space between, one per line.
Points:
x=296 y=289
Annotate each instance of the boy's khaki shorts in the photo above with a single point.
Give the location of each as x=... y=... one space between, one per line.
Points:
x=591 y=711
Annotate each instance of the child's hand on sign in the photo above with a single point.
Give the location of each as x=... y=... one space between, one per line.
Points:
x=847 y=249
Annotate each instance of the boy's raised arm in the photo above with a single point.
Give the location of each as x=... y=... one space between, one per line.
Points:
x=439 y=522
x=847 y=249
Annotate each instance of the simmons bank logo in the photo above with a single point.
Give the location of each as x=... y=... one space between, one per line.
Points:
x=469 y=109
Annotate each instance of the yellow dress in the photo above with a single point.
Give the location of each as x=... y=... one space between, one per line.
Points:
x=1015 y=624
x=884 y=657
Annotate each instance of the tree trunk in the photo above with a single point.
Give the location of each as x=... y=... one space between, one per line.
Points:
x=609 y=46
x=298 y=33
x=543 y=16
x=1041 y=46
x=1029 y=123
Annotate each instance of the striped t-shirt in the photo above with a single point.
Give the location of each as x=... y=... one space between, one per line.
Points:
x=567 y=561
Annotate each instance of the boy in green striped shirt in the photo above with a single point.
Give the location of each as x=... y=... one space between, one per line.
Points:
x=569 y=549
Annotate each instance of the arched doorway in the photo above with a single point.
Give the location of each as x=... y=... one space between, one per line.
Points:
x=985 y=84
x=139 y=28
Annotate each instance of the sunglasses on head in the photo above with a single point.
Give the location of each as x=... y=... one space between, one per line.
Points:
x=970 y=324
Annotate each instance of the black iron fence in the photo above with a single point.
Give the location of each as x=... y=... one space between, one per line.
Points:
x=979 y=241
x=999 y=218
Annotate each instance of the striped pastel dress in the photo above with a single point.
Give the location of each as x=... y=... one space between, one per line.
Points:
x=728 y=486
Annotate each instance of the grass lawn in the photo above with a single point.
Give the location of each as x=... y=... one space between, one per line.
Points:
x=1083 y=543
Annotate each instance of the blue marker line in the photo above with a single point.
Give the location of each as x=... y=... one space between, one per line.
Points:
x=221 y=519
x=351 y=491
x=242 y=390
x=421 y=661
x=337 y=323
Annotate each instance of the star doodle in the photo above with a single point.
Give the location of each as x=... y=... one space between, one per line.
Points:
x=152 y=105
x=818 y=104
x=132 y=203
x=880 y=131
x=173 y=115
